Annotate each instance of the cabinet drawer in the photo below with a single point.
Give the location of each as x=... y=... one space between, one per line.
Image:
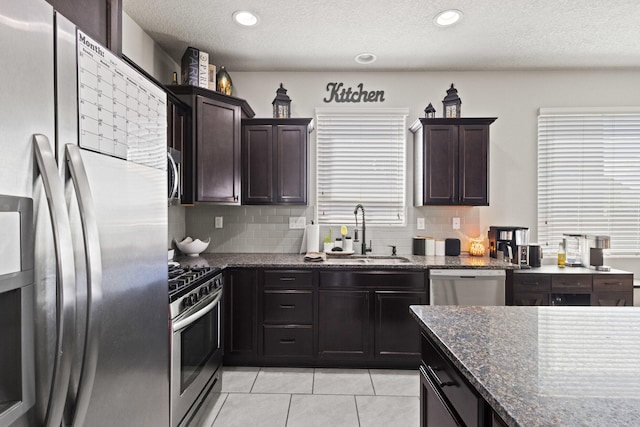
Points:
x=288 y=340
x=531 y=282
x=573 y=283
x=613 y=283
x=288 y=306
x=288 y=278
x=467 y=403
x=386 y=279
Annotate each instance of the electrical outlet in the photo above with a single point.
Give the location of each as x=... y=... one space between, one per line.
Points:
x=456 y=223
x=297 y=222
x=218 y=222
x=420 y=223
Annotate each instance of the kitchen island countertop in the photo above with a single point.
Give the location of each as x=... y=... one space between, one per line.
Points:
x=545 y=366
x=258 y=260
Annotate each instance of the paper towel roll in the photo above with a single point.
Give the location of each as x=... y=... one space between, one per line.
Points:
x=439 y=247
x=430 y=246
x=313 y=238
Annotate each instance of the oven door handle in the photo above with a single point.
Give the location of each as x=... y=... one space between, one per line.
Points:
x=183 y=323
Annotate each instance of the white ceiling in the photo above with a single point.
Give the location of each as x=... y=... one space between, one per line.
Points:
x=327 y=35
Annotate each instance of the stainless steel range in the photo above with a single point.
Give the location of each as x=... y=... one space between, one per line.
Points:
x=195 y=297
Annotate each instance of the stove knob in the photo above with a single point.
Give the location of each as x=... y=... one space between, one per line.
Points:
x=187 y=301
x=195 y=297
x=203 y=291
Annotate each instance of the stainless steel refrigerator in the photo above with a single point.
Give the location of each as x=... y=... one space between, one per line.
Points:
x=84 y=336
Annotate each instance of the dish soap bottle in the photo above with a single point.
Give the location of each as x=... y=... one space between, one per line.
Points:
x=562 y=255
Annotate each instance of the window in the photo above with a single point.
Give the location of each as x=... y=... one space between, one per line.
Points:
x=361 y=159
x=589 y=175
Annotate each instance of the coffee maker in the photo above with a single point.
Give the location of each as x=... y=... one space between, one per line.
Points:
x=510 y=243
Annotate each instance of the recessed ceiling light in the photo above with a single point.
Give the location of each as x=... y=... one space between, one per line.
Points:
x=246 y=18
x=365 y=58
x=448 y=17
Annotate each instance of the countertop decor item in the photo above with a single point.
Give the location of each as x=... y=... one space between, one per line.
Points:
x=191 y=247
x=224 y=83
x=430 y=112
x=281 y=104
x=451 y=104
x=476 y=247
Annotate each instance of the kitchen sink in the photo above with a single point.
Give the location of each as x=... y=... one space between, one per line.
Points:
x=368 y=260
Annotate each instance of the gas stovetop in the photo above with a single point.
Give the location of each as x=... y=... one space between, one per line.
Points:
x=183 y=279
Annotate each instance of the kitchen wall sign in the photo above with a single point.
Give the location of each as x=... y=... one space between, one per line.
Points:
x=338 y=93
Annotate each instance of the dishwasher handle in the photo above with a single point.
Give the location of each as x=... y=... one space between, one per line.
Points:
x=467 y=273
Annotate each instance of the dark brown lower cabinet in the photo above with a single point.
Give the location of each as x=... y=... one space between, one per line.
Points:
x=434 y=410
x=446 y=397
x=396 y=332
x=344 y=324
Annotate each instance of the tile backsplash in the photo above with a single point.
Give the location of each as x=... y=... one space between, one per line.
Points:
x=265 y=229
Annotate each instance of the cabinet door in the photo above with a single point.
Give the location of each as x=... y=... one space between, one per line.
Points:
x=217 y=152
x=473 y=165
x=396 y=332
x=440 y=166
x=100 y=19
x=240 y=307
x=612 y=298
x=257 y=164
x=530 y=298
x=434 y=411
x=344 y=324
x=291 y=164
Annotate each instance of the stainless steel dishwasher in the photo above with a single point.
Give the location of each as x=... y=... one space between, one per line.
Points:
x=466 y=287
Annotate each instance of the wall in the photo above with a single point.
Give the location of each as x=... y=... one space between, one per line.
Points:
x=513 y=97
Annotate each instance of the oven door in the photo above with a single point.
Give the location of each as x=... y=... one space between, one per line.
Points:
x=196 y=355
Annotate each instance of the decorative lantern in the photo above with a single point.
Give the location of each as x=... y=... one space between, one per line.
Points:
x=476 y=247
x=430 y=112
x=452 y=104
x=281 y=104
x=224 y=84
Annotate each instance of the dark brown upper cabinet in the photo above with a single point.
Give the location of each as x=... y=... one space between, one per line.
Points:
x=211 y=160
x=99 y=19
x=451 y=161
x=274 y=161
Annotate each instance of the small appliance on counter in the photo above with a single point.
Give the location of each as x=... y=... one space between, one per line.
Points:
x=535 y=255
x=509 y=243
x=586 y=250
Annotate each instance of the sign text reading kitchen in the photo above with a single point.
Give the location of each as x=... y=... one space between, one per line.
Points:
x=338 y=93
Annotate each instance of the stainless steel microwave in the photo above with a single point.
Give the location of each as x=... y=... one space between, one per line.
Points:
x=174 y=173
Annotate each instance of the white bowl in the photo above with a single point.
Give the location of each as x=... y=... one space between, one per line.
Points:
x=191 y=247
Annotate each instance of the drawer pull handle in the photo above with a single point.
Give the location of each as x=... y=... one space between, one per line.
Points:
x=287 y=279
x=530 y=283
x=287 y=306
x=287 y=341
x=613 y=283
x=435 y=376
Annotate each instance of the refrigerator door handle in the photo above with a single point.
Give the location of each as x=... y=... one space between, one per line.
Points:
x=93 y=259
x=66 y=282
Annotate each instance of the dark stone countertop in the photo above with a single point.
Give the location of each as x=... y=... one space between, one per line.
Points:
x=297 y=261
x=545 y=366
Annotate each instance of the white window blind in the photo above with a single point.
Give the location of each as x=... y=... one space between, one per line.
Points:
x=589 y=175
x=361 y=159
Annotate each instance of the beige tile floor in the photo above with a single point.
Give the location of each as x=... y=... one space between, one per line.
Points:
x=308 y=397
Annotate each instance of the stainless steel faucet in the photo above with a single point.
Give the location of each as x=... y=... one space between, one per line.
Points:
x=365 y=249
